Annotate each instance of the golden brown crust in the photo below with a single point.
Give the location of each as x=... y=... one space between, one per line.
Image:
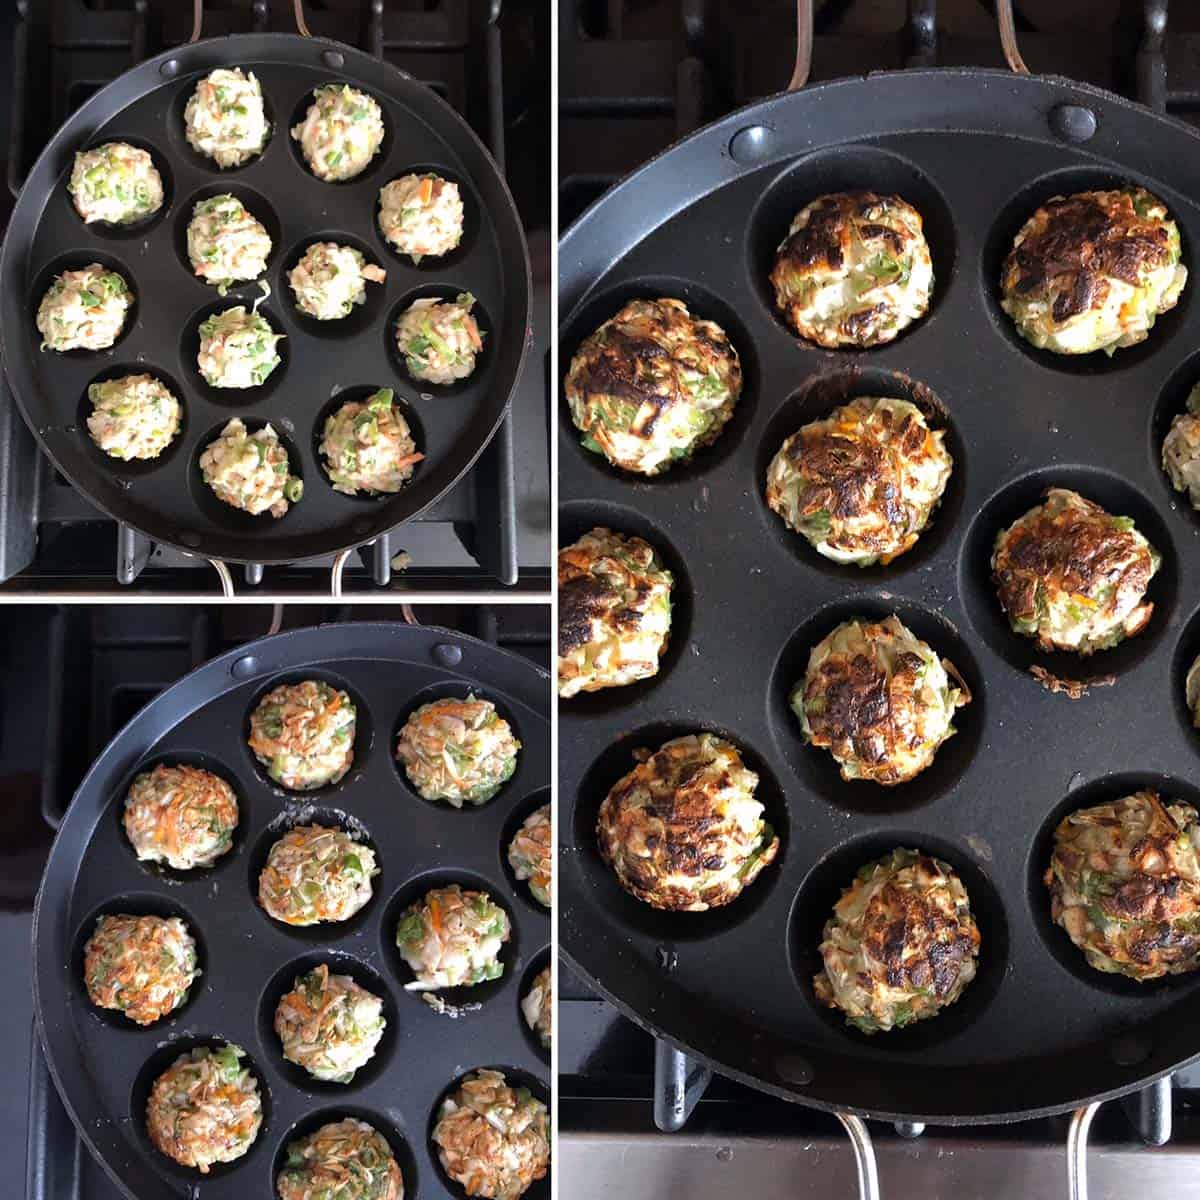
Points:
x=681 y=830
x=1071 y=548
x=919 y=943
x=1075 y=243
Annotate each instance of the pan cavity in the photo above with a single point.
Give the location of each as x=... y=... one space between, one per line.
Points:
x=539 y=963
x=1172 y=402
x=815 y=400
x=813 y=907
x=703 y=304
x=259 y=207
x=978 y=591
x=578 y=517
x=151 y=1069
x=431 y=264
x=373 y=167
x=237 y=520
x=284 y=981
x=1187 y=654
x=816 y=767
x=1013 y=215
x=132 y=468
x=136 y=904
x=361 y=317
x=232 y=397
x=1104 y=790
x=512 y=823
x=364 y=735
x=382 y=1124
x=634 y=915
x=854 y=168
x=515 y=1078
x=423 y=388
x=204 y=762
x=459 y=690
x=464 y=998
x=78 y=260
x=361 y=394
x=177 y=129
x=327 y=817
x=140 y=228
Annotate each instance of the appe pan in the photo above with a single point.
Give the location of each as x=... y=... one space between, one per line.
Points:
x=166 y=499
x=975 y=151
x=103 y=1065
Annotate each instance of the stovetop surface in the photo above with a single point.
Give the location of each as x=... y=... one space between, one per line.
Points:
x=52 y=539
x=72 y=677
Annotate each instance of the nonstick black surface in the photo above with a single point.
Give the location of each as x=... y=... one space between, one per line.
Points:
x=324 y=362
x=976 y=152
x=104 y=1065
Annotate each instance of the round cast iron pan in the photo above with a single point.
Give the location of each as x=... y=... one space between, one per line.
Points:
x=1037 y=1031
x=104 y=1065
x=324 y=362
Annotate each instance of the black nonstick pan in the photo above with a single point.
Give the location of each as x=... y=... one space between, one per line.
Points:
x=975 y=151
x=323 y=362
x=103 y=1065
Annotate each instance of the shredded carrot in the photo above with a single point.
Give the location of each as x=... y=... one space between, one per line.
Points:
x=426 y=190
x=435 y=916
x=473 y=333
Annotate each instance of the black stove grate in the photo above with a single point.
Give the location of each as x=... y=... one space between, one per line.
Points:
x=637 y=75
x=490 y=529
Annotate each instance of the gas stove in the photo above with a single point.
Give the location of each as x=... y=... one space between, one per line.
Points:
x=636 y=1117
x=72 y=678
x=492 y=531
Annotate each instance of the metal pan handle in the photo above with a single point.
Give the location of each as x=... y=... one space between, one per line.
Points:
x=864 y=1154
x=1081 y=1122
x=1008 y=36
x=804 y=45
x=198 y=19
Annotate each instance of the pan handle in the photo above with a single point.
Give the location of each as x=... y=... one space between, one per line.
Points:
x=301 y=23
x=864 y=1152
x=1008 y=36
x=224 y=575
x=804 y=45
x=198 y=19
x=1081 y=1122
x=335 y=576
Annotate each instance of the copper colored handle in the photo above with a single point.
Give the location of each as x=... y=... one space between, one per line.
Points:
x=804 y=45
x=1008 y=36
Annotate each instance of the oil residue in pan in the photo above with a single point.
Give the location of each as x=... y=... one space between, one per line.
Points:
x=105 y=1065
x=755 y=598
x=322 y=361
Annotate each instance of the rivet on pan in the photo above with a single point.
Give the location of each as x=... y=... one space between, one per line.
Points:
x=333 y=59
x=751 y=145
x=1130 y=1049
x=447 y=655
x=1073 y=122
x=244 y=667
x=791 y=1068
x=668 y=959
x=170 y=68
